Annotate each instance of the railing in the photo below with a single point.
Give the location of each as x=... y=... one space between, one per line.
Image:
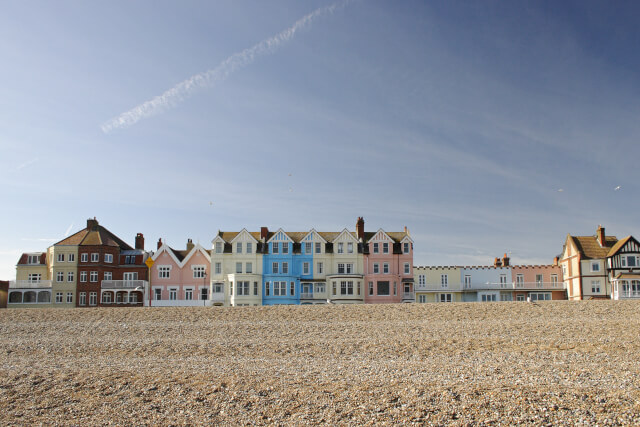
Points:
x=536 y=285
x=137 y=285
x=217 y=296
x=29 y=284
x=409 y=295
x=306 y=295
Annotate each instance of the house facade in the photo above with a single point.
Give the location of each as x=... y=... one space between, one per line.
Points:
x=345 y=268
x=487 y=283
x=623 y=267
x=32 y=287
x=537 y=282
x=180 y=278
x=437 y=284
x=584 y=265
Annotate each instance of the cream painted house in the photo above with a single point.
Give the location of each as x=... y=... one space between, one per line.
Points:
x=62 y=260
x=437 y=284
x=32 y=287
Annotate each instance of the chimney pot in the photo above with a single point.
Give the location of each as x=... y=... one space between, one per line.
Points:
x=92 y=224
x=190 y=245
x=140 y=241
x=159 y=243
x=360 y=228
x=263 y=232
x=600 y=236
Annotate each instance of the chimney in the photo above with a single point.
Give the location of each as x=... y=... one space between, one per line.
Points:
x=600 y=236
x=189 y=245
x=263 y=232
x=159 y=243
x=505 y=261
x=92 y=224
x=497 y=262
x=140 y=241
x=360 y=228
x=555 y=261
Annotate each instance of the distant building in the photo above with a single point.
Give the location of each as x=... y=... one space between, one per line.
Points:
x=623 y=266
x=437 y=283
x=33 y=286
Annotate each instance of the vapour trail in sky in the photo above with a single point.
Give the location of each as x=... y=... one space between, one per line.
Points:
x=182 y=90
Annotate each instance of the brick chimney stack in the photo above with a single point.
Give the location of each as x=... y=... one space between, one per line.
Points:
x=140 y=241
x=505 y=261
x=497 y=262
x=263 y=232
x=92 y=224
x=190 y=245
x=555 y=261
x=360 y=228
x=600 y=236
x=159 y=243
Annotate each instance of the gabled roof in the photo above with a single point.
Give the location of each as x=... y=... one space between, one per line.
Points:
x=180 y=257
x=280 y=230
x=97 y=236
x=244 y=230
x=194 y=250
x=620 y=244
x=42 y=258
x=346 y=233
x=329 y=236
x=589 y=247
x=228 y=236
x=395 y=236
x=312 y=232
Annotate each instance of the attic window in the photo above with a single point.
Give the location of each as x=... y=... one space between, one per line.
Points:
x=33 y=259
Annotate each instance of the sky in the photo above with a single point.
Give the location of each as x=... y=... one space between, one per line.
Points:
x=484 y=127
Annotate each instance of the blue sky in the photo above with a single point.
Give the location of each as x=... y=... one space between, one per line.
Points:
x=460 y=120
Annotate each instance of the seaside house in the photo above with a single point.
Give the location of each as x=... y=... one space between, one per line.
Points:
x=32 y=287
x=623 y=267
x=537 y=282
x=488 y=283
x=437 y=284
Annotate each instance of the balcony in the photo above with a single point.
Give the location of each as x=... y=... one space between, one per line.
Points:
x=306 y=295
x=217 y=297
x=30 y=284
x=137 y=285
x=536 y=285
x=409 y=296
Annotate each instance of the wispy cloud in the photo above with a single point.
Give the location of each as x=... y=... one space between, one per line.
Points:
x=209 y=78
x=37 y=239
x=66 y=233
x=27 y=163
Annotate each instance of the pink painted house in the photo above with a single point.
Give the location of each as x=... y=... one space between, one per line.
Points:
x=538 y=282
x=180 y=278
x=388 y=266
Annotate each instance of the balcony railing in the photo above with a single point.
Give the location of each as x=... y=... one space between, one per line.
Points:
x=306 y=295
x=409 y=296
x=124 y=284
x=217 y=296
x=30 y=284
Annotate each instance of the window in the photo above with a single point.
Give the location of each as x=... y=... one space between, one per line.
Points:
x=60 y=277
x=376 y=268
x=385 y=248
x=422 y=299
x=164 y=271
x=383 y=288
x=340 y=268
x=275 y=247
x=106 y=297
x=239 y=247
x=33 y=259
x=395 y=288
x=82 y=298
x=540 y=296
x=467 y=281
x=219 y=247
x=199 y=272
x=83 y=276
x=405 y=247
x=93 y=298
x=108 y=258
x=130 y=276
x=285 y=268
x=320 y=288
x=285 y=247
x=218 y=268
x=188 y=294
x=595 y=266
x=255 y=288
x=34 y=277
x=157 y=294
x=279 y=288
x=503 y=281
x=350 y=248
x=242 y=288
x=69 y=297
x=93 y=276
x=520 y=297
x=248 y=267
x=267 y=288
x=346 y=287
x=58 y=297
x=95 y=257
x=60 y=257
x=446 y=298
x=595 y=286
x=292 y=288
x=274 y=267
x=249 y=247
x=489 y=298
x=71 y=257
x=305 y=268
x=133 y=298
x=520 y=281
x=320 y=269
x=130 y=259
x=538 y=280
x=334 y=288
x=370 y=288
x=108 y=275
x=376 y=248
x=407 y=268
x=385 y=268
x=444 y=280
x=173 y=294
x=554 y=280
x=204 y=293
x=70 y=276
x=629 y=261
x=84 y=257
x=238 y=267
x=307 y=248
x=340 y=247
x=318 y=247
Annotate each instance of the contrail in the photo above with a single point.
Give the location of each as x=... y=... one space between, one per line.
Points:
x=209 y=78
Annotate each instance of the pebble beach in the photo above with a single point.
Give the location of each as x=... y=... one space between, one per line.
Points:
x=468 y=364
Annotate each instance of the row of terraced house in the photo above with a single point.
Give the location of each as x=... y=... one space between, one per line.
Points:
x=95 y=268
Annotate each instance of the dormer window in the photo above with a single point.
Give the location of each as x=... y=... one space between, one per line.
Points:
x=385 y=248
x=275 y=247
x=349 y=248
x=33 y=259
x=249 y=248
x=218 y=247
x=595 y=266
x=285 y=248
x=239 y=247
x=376 y=248
x=406 y=248
x=318 y=247
x=340 y=248
x=307 y=248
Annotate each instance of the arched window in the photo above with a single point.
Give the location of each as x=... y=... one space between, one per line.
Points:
x=44 y=296
x=15 y=297
x=29 y=297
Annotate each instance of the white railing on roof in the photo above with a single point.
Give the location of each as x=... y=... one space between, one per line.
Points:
x=124 y=284
x=29 y=284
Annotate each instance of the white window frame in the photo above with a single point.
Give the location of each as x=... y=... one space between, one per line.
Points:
x=444 y=281
x=83 y=276
x=93 y=275
x=248 y=267
x=108 y=275
x=407 y=268
x=318 y=248
x=70 y=276
x=320 y=269
x=595 y=266
x=349 y=247
x=82 y=298
x=376 y=248
x=306 y=269
x=173 y=294
x=376 y=268
x=285 y=247
x=249 y=248
x=60 y=276
x=422 y=279
x=519 y=280
x=275 y=247
x=595 y=286
x=108 y=258
x=307 y=247
x=93 y=298
x=406 y=248
x=218 y=268
x=59 y=297
x=188 y=294
x=199 y=271
x=340 y=247
x=33 y=259
x=238 y=267
x=71 y=257
x=239 y=247
x=385 y=247
x=219 y=247
x=164 y=271
x=503 y=281
x=60 y=257
x=467 y=281
x=95 y=257
x=69 y=297
x=84 y=257
x=275 y=268
x=385 y=268
x=285 y=267
x=447 y=297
